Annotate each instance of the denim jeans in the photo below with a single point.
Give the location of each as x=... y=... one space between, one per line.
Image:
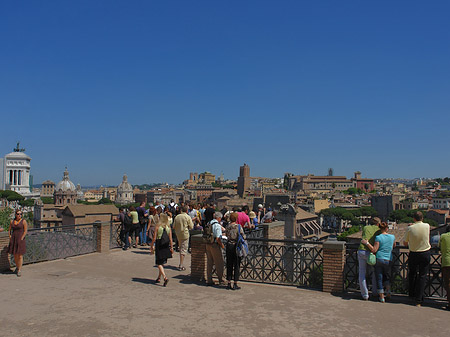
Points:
x=143 y=234
x=383 y=274
x=362 y=262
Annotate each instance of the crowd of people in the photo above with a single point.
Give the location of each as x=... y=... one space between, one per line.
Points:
x=165 y=228
x=376 y=240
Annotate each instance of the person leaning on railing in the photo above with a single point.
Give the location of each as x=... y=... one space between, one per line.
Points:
x=417 y=238
x=369 y=233
x=444 y=246
x=384 y=243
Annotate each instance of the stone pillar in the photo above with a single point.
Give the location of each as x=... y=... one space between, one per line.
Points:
x=198 y=258
x=333 y=266
x=4 y=256
x=103 y=237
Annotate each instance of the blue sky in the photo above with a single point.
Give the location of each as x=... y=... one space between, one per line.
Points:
x=157 y=89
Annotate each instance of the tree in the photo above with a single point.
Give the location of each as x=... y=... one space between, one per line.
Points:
x=47 y=200
x=104 y=201
x=26 y=203
x=10 y=195
x=5 y=217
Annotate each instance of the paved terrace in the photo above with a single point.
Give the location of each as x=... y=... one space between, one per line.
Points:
x=113 y=294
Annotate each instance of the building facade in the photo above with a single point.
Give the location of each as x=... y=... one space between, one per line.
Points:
x=65 y=191
x=243 y=180
x=15 y=172
x=125 y=192
x=47 y=189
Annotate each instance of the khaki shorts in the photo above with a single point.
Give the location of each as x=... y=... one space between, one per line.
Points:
x=183 y=246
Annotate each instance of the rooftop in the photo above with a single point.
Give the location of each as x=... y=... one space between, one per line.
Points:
x=113 y=294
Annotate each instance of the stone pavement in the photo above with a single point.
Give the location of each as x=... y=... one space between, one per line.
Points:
x=113 y=294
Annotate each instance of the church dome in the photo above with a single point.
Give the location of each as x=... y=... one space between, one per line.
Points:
x=125 y=186
x=65 y=184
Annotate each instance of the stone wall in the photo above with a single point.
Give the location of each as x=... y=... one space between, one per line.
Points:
x=4 y=256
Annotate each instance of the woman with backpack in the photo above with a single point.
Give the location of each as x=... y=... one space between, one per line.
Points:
x=162 y=241
x=233 y=260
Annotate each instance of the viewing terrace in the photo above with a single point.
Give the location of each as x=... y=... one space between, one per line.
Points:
x=111 y=292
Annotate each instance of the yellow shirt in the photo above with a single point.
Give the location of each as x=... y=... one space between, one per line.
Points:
x=182 y=224
x=418 y=237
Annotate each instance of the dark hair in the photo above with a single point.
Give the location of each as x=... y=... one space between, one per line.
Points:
x=418 y=216
x=383 y=225
x=132 y=209
x=245 y=208
x=120 y=209
x=152 y=210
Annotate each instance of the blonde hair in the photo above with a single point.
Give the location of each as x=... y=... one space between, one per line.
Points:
x=163 y=220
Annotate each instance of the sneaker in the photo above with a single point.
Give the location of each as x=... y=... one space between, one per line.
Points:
x=19 y=273
x=229 y=286
x=382 y=300
x=236 y=287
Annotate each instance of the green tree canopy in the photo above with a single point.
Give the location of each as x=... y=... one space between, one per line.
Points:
x=5 y=217
x=47 y=200
x=26 y=203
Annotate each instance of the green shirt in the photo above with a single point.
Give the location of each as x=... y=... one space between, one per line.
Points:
x=134 y=217
x=444 y=246
x=369 y=233
x=161 y=231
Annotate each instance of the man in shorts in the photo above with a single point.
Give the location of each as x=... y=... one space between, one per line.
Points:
x=182 y=224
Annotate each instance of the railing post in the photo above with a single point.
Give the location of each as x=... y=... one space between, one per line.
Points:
x=103 y=236
x=4 y=256
x=333 y=266
x=198 y=258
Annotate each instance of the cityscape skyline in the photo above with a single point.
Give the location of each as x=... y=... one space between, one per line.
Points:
x=157 y=90
x=186 y=176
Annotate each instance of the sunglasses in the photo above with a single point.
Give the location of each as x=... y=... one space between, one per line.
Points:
x=18 y=213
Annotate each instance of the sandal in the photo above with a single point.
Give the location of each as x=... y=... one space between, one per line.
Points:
x=181 y=268
x=166 y=280
x=158 y=280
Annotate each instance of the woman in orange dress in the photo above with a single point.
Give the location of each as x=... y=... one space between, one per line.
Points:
x=17 y=230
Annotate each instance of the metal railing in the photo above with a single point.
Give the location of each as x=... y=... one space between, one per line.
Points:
x=52 y=243
x=289 y=262
x=114 y=235
x=399 y=276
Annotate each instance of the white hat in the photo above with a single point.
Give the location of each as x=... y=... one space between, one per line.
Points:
x=260 y=206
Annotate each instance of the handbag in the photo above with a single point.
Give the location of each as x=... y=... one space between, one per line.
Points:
x=372 y=259
x=241 y=244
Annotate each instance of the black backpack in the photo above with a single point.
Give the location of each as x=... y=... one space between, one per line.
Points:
x=164 y=241
x=127 y=221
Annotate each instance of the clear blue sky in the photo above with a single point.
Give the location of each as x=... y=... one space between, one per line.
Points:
x=157 y=89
